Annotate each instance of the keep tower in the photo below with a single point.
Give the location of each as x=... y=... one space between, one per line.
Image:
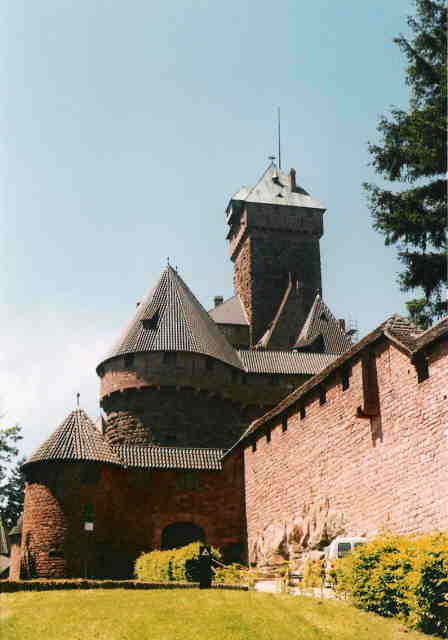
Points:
x=274 y=233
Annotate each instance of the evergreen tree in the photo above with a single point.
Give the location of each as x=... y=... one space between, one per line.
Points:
x=413 y=151
x=12 y=483
x=12 y=496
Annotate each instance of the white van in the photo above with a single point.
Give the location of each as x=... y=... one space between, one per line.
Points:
x=340 y=547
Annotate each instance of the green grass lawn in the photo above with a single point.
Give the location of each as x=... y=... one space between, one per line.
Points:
x=120 y=614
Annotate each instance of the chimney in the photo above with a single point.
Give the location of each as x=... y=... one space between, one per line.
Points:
x=292 y=179
x=218 y=300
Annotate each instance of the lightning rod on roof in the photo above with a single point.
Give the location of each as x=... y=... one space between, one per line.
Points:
x=279 y=140
x=77 y=399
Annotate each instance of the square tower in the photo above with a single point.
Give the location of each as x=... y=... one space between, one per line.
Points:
x=274 y=233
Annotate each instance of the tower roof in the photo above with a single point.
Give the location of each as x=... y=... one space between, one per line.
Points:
x=170 y=318
x=276 y=187
x=321 y=326
x=75 y=439
x=230 y=311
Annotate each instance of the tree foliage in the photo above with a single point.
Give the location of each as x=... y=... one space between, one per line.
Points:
x=12 y=496
x=11 y=480
x=412 y=151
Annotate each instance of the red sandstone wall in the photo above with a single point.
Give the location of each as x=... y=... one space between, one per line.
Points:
x=389 y=471
x=131 y=508
x=14 y=567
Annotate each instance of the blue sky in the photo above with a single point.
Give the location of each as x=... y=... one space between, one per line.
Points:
x=129 y=125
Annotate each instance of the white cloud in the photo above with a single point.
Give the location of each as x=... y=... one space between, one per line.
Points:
x=42 y=370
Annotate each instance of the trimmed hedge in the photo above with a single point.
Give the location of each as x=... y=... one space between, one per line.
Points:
x=400 y=576
x=181 y=565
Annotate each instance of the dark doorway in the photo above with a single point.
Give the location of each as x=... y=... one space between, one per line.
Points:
x=180 y=534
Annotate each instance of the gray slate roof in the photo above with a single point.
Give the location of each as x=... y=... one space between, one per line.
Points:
x=272 y=183
x=75 y=439
x=154 y=457
x=286 y=362
x=170 y=318
x=321 y=322
x=231 y=311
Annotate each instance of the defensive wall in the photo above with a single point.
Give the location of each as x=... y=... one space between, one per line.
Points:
x=359 y=448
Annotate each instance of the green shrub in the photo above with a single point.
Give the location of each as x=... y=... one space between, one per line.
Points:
x=235 y=574
x=181 y=565
x=401 y=576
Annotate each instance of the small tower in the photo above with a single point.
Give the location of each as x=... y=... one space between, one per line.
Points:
x=274 y=232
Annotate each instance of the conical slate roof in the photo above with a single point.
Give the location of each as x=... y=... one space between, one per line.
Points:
x=170 y=318
x=322 y=332
x=276 y=187
x=75 y=439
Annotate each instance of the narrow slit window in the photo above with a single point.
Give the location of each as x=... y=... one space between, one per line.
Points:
x=421 y=366
x=322 y=396
x=128 y=360
x=254 y=445
x=302 y=413
x=284 y=423
x=345 y=379
x=268 y=435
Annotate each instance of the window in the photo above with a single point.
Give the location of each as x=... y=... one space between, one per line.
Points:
x=302 y=413
x=322 y=396
x=188 y=480
x=345 y=379
x=88 y=512
x=421 y=366
x=273 y=380
x=152 y=322
x=343 y=549
x=128 y=360
x=254 y=445
x=169 y=357
x=268 y=435
x=284 y=423
x=90 y=474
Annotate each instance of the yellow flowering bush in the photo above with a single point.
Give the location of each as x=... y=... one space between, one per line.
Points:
x=401 y=576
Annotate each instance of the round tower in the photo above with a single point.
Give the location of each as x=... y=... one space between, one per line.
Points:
x=61 y=498
x=172 y=378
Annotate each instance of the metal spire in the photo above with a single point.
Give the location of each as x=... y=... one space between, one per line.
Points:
x=279 y=140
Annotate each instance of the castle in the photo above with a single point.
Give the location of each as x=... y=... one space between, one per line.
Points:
x=257 y=426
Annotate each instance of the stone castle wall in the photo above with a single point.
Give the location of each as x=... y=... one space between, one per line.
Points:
x=192 y=401
x=333 y=472
x=129 y=508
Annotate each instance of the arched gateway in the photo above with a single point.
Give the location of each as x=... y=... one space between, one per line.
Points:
x=180 y=534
